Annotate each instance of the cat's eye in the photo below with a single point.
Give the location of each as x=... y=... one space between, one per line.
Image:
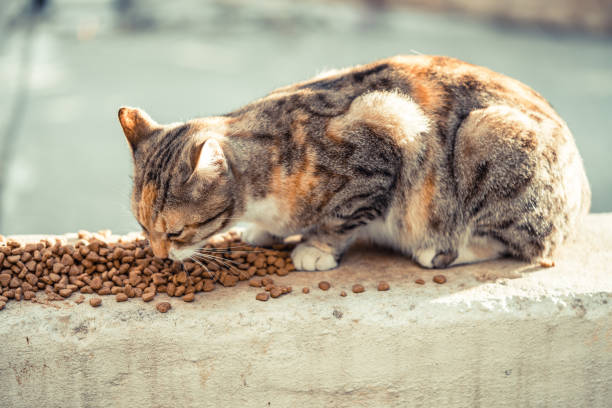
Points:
x=174 y=234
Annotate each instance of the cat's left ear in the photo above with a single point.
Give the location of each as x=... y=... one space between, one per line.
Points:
x=136 y=124
x=208 y=158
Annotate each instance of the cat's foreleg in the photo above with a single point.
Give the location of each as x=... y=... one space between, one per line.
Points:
x=252 y=234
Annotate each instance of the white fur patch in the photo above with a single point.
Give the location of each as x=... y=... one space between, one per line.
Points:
x=185 y=253
x=397 y=113
x=267 y=215
x=309 y=258
x=254 y=235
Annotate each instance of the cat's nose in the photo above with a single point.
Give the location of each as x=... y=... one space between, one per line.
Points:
x=160 y=248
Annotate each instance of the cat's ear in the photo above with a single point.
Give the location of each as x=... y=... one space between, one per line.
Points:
x=208 y=157
x=136 y=124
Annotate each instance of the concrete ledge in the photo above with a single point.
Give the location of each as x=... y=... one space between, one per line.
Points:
x=496 y=334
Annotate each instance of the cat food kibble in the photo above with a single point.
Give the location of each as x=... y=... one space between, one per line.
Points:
x=263 y=296
x=439 y=279
x=343 y=294
x=126 y=268
x=95 y=302
x=419 y=281
x=382 y=286
x=163 y=307
x=358 y=288
x=324 y=285
x=305 y=290
x=547 y=263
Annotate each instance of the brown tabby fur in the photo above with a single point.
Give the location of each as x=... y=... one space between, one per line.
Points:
x=443 y=160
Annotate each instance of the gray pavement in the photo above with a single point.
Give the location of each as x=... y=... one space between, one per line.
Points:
x=177 y=60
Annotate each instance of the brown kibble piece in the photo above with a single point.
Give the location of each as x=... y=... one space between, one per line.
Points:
x=96 y=283
x=5 y=278
x=208 y=286
x=121 y=297
x=547 y=263
x=382 y=286
x=276 y=292
x=263 y=296
x=358 y=288
x=188 y=297
x=439 y=279
x=95 y=302
x=305 y=290
x=148 y=296
x=324 y=285
x=65 y=293
x=256 y=283
x=343 y=293
x=163 y=307
x=419 y=281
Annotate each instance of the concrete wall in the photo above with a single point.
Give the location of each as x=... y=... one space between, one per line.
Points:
x=501 y=334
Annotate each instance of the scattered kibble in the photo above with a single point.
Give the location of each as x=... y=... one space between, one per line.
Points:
x=189 y=297
x=305 y=290
x=163 y=307
x=263 y=296
x=148 y=296
x=324 y=285
x=95 y=301
x=358 y=288
x=343 y=294
x=439 y=279
x=121 y=297
x=419 y=281
x=547 y=263
x=382 y=286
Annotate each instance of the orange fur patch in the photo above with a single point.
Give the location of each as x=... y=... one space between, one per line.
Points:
x=147 y=199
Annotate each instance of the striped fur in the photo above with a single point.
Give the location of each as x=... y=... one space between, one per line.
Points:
x=443 y=160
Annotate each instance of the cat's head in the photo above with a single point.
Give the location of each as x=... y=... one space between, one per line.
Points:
x=183 y=188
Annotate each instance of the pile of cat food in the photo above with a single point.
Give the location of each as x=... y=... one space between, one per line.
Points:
x=126 y=268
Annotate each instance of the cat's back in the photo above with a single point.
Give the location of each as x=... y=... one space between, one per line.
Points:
x=443 y=87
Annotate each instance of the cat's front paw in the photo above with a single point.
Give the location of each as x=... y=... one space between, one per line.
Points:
x=306 y=257
x=253 y=235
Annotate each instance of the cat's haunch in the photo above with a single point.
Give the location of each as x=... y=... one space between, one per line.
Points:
x=448 y=162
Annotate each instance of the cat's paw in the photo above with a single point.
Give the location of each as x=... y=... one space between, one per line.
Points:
x=430 y=259
x=255 y=236
x=306 y=257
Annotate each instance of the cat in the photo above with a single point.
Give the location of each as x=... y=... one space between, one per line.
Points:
x=447 y=162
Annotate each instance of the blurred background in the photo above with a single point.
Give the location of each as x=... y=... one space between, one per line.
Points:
x=66 y=66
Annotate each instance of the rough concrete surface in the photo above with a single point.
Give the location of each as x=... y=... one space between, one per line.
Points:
x=497 y=334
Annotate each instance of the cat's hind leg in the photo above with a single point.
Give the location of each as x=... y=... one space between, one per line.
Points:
x=477 y=249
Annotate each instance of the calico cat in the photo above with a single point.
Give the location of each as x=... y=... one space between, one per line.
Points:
x=445 y=161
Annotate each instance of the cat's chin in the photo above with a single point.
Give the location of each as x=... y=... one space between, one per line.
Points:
x=186 y=253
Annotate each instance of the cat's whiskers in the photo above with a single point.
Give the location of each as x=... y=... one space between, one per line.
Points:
x=217 y=259
x=210 y=274
x=206 y=257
